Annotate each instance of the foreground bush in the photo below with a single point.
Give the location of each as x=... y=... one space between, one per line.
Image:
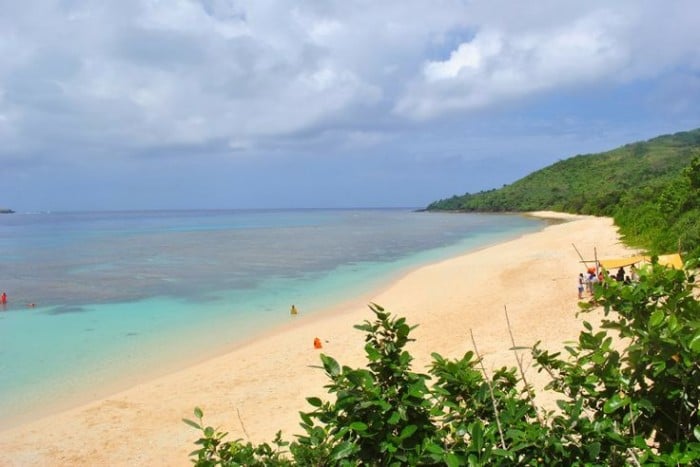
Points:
x=630 y=404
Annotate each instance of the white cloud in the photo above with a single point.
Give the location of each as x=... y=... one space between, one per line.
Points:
x=607 y=44
x=496 y=66
x=191 y=17
x=469 y=58
x=136 y=74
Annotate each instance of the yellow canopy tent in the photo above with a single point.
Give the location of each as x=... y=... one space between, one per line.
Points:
x=615 y=263
x=673 y=260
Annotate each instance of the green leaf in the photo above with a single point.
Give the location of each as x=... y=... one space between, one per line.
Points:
x=695 y=343
x=372 y=353
x=417 y=389
x=593 y=449
x=355 y=377
x=306 y=418
x=434 y=448
x=342 y=450
x=358 y=426
x=452 y=460
x=394 y=418
x=656 y=319
x=696 y=432
x=615 y=402
x=330 y=365
x=367 y=327
x=520 y=347
x=659 y=367
x=192 y=423
x=672 y=323
x=408 y=431
x=477 y=436
x=198 y=412
x=314 y=401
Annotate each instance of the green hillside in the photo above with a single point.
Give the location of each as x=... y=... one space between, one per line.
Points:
x=646 y=186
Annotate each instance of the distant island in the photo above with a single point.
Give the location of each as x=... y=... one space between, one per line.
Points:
x=6 y=211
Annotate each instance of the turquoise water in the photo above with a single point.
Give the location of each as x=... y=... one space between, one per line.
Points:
x=123 y=296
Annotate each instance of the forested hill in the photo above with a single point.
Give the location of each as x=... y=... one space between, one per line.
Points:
x=650 y=188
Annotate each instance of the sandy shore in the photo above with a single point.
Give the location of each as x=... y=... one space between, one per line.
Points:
x=267 y=381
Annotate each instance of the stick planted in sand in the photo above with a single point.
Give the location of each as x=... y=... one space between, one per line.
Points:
x=493 y=399
x=519 y=360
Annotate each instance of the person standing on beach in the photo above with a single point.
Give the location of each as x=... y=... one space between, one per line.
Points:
x=3 y=298
x=580 y=285
x=634 y=276
x=620 y=276
x=592 y=279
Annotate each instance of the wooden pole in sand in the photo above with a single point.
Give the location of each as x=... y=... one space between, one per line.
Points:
x=595 y=256
x=585 y=263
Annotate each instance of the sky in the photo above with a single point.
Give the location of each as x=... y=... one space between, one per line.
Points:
x=218 y=104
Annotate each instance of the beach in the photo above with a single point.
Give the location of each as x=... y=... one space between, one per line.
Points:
x=258 y=388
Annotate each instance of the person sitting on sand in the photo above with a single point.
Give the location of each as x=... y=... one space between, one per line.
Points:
x=293 y=311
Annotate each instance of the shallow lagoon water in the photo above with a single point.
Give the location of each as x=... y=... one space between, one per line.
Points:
x=124 y=295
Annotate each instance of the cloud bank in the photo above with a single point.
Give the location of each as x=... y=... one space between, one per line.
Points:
x=84 y=81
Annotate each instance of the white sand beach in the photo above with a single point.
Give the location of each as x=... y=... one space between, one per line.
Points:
x=265 y=382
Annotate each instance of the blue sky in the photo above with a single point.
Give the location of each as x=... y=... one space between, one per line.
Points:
x=156 y=104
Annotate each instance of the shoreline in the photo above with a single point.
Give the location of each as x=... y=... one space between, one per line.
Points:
x=271 y=374
x=353 y=297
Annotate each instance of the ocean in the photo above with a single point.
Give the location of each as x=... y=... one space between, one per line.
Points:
x=99 y=301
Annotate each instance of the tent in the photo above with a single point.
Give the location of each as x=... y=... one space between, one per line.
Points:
x=673 y=260
x=615 y=263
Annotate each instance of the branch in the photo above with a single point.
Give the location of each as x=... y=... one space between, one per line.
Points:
x=242 y=425
x=519 y=360
x=635 y=461
x=493 y=398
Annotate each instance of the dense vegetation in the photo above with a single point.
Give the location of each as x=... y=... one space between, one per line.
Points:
x=650 y=188
x=630 y=406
